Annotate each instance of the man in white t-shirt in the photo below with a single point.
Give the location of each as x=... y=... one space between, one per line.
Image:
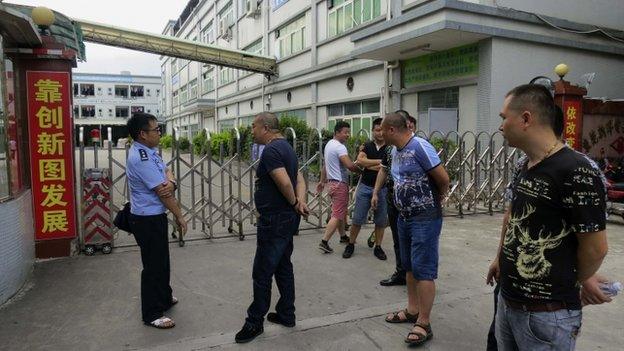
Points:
x=334 y=173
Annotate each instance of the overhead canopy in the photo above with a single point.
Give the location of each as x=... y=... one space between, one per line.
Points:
x=17 y=29
x=175 y=47
x=63 y=30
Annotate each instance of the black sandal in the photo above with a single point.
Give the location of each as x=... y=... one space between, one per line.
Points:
x=422 y=338
x=409 y=318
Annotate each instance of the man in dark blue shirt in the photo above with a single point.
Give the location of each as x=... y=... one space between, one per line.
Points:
x=280 y=200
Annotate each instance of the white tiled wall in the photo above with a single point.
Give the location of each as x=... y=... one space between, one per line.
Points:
x=17 y=244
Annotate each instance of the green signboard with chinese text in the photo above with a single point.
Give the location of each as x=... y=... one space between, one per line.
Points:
x=450 y=64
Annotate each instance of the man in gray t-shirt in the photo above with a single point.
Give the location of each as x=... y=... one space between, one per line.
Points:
x=334 y=172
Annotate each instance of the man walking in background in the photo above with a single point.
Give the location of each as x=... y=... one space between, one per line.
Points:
x=334 y=174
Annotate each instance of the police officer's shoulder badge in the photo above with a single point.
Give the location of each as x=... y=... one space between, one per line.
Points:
x=143 y=155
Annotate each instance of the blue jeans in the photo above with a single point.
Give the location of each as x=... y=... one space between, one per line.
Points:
x=419 y=246
x=273 y=250
x=363 y=196
x=536 y=331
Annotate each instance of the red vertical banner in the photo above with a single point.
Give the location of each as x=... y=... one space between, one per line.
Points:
x=50 y=141
x=573 y=122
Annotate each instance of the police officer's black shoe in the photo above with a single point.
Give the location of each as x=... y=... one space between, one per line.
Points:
x=395 y=279
x=248 y=333
x=344 y=239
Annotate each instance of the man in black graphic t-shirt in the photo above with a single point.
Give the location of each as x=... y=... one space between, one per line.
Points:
x=555 y=238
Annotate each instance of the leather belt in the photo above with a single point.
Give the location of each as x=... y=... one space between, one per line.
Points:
x=537 y=306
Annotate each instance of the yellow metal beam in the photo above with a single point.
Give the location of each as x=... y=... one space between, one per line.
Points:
x=175 y=47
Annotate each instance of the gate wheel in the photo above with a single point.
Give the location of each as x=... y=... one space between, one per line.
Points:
x=107 y=249
x=230 y=230
x=89 y=250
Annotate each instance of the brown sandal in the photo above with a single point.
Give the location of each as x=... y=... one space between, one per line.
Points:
x=409 y=318
x=422 y=338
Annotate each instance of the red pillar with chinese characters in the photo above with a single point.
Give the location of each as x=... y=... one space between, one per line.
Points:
x=570 y=98
x=44 y=95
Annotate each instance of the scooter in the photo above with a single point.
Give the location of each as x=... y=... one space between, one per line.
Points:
x=615 y=189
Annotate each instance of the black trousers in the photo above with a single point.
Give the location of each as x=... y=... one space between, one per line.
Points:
x=393 y=218
x=150 y=233
x=273 y=250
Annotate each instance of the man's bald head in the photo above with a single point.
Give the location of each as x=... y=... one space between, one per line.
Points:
x=268 y=119
x=396 y=121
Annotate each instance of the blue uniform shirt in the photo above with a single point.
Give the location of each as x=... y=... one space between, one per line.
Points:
x=145 y=171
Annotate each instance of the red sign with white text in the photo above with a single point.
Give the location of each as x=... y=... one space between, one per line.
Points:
x=572 y=123
x=51 y=159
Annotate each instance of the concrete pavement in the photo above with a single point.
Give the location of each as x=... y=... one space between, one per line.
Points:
x=92 y=303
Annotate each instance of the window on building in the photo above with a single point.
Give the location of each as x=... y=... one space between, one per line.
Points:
x=255 y=47
x=15 y=128
x=110 y=112
x=226 y=75
x=122 y=111
x=301 y=114
x=358 y=114
x=290 y=39
x=193 y=89
x=87 y=90
x=346 y=14
x=207 y=34
x=227 y=15
x=157 y=92
x=76 y=111
x=87 y=111
x=443 y=98
x=183 y=94
x=99 y=90
x=137 y=109
x=121 y=91
x=174 y=66
x=208 y=82
x=175 y=99
x=110 y=91
x=148 y=92
x=137 y=91
x=99 y=112
x=76 y=89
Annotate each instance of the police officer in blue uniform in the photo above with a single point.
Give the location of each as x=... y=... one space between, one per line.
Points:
x=152 y=188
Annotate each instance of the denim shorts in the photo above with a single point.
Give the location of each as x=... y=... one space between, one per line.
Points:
x=419 y=244
x=363 y=196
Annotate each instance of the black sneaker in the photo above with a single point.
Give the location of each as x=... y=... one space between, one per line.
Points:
x=344 y=239
x=275 y=318
x=325 y=247
x=379 y=253
x=348 y=252
x=248 y=333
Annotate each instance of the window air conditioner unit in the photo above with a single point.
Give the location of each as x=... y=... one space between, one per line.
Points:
x=252 y=8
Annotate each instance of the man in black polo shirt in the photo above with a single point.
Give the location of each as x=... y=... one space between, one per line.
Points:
x=370 y=158
x=555 y=238
x=280 y=200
